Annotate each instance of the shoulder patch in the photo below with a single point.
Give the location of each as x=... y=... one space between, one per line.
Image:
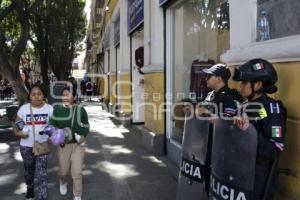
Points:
x=230 y=111
x=262 y=113
x=276 y=131
x=279 y=145
x=274 y=108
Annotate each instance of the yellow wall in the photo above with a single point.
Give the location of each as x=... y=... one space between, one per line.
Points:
x=154 y=119
x=103 y=87
x=111 y=4
x=113 y=89
x=108 y=14
x=289 y=93
x=125 y=91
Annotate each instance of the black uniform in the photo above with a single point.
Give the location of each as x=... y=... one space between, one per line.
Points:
x=270 y=123
x=227 y=101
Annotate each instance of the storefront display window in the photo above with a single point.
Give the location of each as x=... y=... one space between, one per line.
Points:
x=277 y=18
x=200 y=34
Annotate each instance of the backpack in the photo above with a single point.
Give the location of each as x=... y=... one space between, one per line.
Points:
x=88 y=86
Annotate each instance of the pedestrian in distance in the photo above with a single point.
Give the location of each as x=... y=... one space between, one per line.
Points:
x=82 y=87
x=95 y=89
x=258 y=78
x=73 y=81
x=33 y=117
x=2 y=88
x=71 y=155
x=89 y=89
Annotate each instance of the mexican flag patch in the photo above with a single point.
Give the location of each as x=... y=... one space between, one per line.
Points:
x=276 y=131
x=258 y=66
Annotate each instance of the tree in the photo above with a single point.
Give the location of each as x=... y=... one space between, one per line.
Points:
x=40 y=37
x=58 y=28
x=14 y=34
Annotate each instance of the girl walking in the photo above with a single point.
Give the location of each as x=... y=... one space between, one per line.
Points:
x=34 y=117
x=71 y=156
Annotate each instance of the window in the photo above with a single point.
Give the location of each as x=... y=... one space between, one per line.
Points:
x=283 y=16
x=284 y=31
x=200 y=32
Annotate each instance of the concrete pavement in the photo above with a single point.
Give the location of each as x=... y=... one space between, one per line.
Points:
x=116 y=166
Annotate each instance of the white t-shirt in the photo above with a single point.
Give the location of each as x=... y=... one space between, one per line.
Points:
x=41 y=115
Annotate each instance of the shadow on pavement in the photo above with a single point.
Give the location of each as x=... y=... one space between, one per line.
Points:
x=116 y=167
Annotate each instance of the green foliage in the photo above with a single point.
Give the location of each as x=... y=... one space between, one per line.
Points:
x=14 y=35
x=67 y=20
x=58 y=28
x=12 y=28
x=30 y=54
x=9 y=25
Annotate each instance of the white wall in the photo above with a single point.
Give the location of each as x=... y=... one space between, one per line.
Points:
x=154 y=35
x=138 y=109
x=118 y=64
x=112 y=49
x=106 y=61
x=242 y=22
x=124 y=39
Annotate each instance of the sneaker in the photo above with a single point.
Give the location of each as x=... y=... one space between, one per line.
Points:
x=77 y=198
x=30 y=194
x=63 y=188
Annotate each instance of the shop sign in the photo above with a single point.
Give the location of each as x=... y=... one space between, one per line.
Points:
x=106 y=42
x=135 y=14
x=162 y=2
x=117 y=30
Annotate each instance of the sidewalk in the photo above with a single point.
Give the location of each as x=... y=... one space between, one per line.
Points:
x=4 y=104
x=116 y=167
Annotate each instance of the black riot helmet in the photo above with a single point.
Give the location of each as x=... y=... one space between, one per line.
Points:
x=258 y=70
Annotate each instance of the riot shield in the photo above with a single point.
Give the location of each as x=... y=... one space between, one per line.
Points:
x=191 y=184
x=233 y=161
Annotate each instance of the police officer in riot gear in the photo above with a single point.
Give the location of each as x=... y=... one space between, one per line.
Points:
x=194 y=179
x=224 y=99
x=223 y=102
x=258 y=78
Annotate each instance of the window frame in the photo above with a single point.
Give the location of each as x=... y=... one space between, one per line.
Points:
x=243 y=34
x=170 y=71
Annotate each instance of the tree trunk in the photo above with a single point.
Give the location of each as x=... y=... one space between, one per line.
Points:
x=10 y=57
x=42 y=31
x=62 y=75
x=15 y=80
x=20 y=90
x=44 y=69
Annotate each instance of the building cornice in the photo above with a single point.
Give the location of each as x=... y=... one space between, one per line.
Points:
x=278 y=50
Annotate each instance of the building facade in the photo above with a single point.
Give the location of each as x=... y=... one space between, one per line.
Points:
x=149 y=47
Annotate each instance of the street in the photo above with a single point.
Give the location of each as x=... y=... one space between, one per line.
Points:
x=116 y=166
